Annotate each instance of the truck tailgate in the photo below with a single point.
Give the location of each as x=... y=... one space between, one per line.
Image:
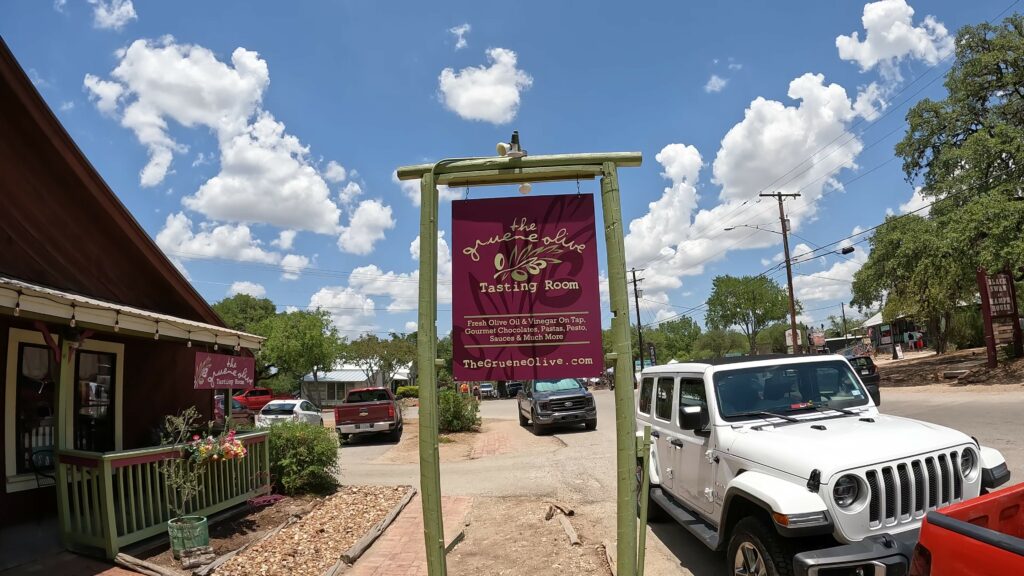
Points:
x=363 y=413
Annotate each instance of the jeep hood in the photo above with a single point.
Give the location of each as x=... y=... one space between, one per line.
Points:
x=844 y=444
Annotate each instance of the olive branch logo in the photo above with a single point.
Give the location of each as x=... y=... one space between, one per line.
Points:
x=528 y=262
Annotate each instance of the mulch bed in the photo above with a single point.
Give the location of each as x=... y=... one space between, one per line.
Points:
x=232 y=534
x=314 y=543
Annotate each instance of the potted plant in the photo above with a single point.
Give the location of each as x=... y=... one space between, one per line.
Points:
x=184 y=475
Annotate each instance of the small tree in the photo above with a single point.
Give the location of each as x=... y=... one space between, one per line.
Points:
x=385 y=357
x=299 y=343
x=182 y=474
x=750 y=303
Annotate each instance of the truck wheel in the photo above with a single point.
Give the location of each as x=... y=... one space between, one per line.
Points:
x=396 y=434
x=523 y=420
x=654 y=511
x=342 y=438
x=591 y=424
x=756 y=550
x=538 y=429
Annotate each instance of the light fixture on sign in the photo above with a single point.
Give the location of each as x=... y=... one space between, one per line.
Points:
x=72 y=323
x=17 y=305
x=189 y=345
x=512 y=149
x=525 y=188
x=117 y=322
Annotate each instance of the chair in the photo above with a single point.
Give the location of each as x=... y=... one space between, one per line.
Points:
x=42 y=466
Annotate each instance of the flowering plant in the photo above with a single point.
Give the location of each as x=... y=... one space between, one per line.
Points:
x=212 y=448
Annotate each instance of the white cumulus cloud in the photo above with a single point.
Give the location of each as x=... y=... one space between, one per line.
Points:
x=293 y=265
x=890 y=36
x=368 y=223
x=335 y=172
x=178 y=239
x=110 y=14
x=350 y=310
x=917 y=202
x=244 y=287
x=487 y=93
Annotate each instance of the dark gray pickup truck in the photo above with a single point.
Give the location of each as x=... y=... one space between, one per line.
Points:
x=550 y=402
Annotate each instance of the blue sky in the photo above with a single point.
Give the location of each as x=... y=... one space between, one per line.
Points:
x=227 y=126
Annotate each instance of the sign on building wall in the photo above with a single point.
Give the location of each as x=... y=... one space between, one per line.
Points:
x=525 y=294
x=216 y=371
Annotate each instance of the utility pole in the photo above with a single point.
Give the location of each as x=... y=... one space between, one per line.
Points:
x=789 y=265
x=843 y=308
x=639 y=328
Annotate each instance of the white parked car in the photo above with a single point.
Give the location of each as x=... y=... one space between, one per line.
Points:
x=767 y=457
x=289 y=411
x=487 y=390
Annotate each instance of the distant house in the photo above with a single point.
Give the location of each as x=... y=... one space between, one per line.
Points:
x=331 y=388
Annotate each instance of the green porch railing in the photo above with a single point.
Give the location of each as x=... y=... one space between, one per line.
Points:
x=112 y=499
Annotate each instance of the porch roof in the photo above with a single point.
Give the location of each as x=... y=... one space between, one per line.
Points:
x=34 y=300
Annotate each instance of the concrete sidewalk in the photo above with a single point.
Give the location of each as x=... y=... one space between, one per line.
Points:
x=400 y=551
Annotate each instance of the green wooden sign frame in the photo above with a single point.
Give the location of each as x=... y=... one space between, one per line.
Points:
x=488 y=171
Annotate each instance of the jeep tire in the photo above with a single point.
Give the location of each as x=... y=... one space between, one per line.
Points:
x=756 y=549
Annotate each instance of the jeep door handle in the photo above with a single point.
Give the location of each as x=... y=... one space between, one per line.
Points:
x=676 y=442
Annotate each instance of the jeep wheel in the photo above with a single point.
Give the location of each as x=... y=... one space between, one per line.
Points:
x=654 y=511
x=523 y=420
x=755 y=550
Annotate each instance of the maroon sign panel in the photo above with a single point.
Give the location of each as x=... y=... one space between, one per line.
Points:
x=214 y=371
x=526 y=300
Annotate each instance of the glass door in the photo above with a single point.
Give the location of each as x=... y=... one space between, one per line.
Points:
x=94 y=400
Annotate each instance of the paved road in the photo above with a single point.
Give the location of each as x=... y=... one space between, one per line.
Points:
x=583 y=471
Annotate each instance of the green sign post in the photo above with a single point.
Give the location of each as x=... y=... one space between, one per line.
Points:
x=459 y=172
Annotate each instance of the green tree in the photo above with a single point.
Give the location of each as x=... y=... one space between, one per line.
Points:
x=716 y=343
x=383 y=356
x=750 y=303
x=247 y=313
x=672 y=340
x=968 y=149
x=915 y=271
x=299 y=343
x=244 y=312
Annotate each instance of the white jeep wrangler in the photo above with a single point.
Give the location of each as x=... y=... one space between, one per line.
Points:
x=786 y=464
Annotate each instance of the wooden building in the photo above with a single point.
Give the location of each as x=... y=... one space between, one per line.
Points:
x=98 y=336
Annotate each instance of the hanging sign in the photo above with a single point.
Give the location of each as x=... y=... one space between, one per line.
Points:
x=525 y=295
x=216 y=371
x=1000 y=318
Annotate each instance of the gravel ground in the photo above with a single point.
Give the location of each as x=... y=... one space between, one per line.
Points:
x=316 y=542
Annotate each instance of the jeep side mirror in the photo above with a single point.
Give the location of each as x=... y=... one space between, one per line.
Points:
x=692 y=417
x=875 y=393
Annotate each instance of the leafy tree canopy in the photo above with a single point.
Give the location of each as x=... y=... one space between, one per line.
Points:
x=749 y=303
x=244 y=312
x=299 y=343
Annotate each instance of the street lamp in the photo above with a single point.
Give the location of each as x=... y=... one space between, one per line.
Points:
x=731 y=228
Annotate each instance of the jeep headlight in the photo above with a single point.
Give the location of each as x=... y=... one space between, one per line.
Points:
x=968 y=460
x=846 y=491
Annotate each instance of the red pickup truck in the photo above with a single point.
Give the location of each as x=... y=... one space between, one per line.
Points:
x=256 y=398
x=368 y=411
x=982 y=536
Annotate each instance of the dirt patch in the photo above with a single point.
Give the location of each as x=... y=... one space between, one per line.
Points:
x=931 y=369
x=509 y=536
x=496 y=437
x=315 y=543
x=233 y=533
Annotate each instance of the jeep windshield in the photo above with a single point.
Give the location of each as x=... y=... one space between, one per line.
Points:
x=562 y=385
x=786 y=388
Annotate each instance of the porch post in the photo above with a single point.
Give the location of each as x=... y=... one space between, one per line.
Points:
x=65 y=438
x=625 y=419
x=426 y=348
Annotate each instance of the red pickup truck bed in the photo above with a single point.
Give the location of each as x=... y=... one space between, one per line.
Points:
x=368 y=411
x=981 y=536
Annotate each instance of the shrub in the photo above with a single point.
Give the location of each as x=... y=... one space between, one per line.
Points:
x=457 y=412
x=408 y=392
x=303 y=458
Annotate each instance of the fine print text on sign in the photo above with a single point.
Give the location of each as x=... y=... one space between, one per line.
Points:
x=526 y=300
x=218 y=371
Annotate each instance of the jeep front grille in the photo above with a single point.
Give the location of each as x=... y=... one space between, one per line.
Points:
x=898 y=491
